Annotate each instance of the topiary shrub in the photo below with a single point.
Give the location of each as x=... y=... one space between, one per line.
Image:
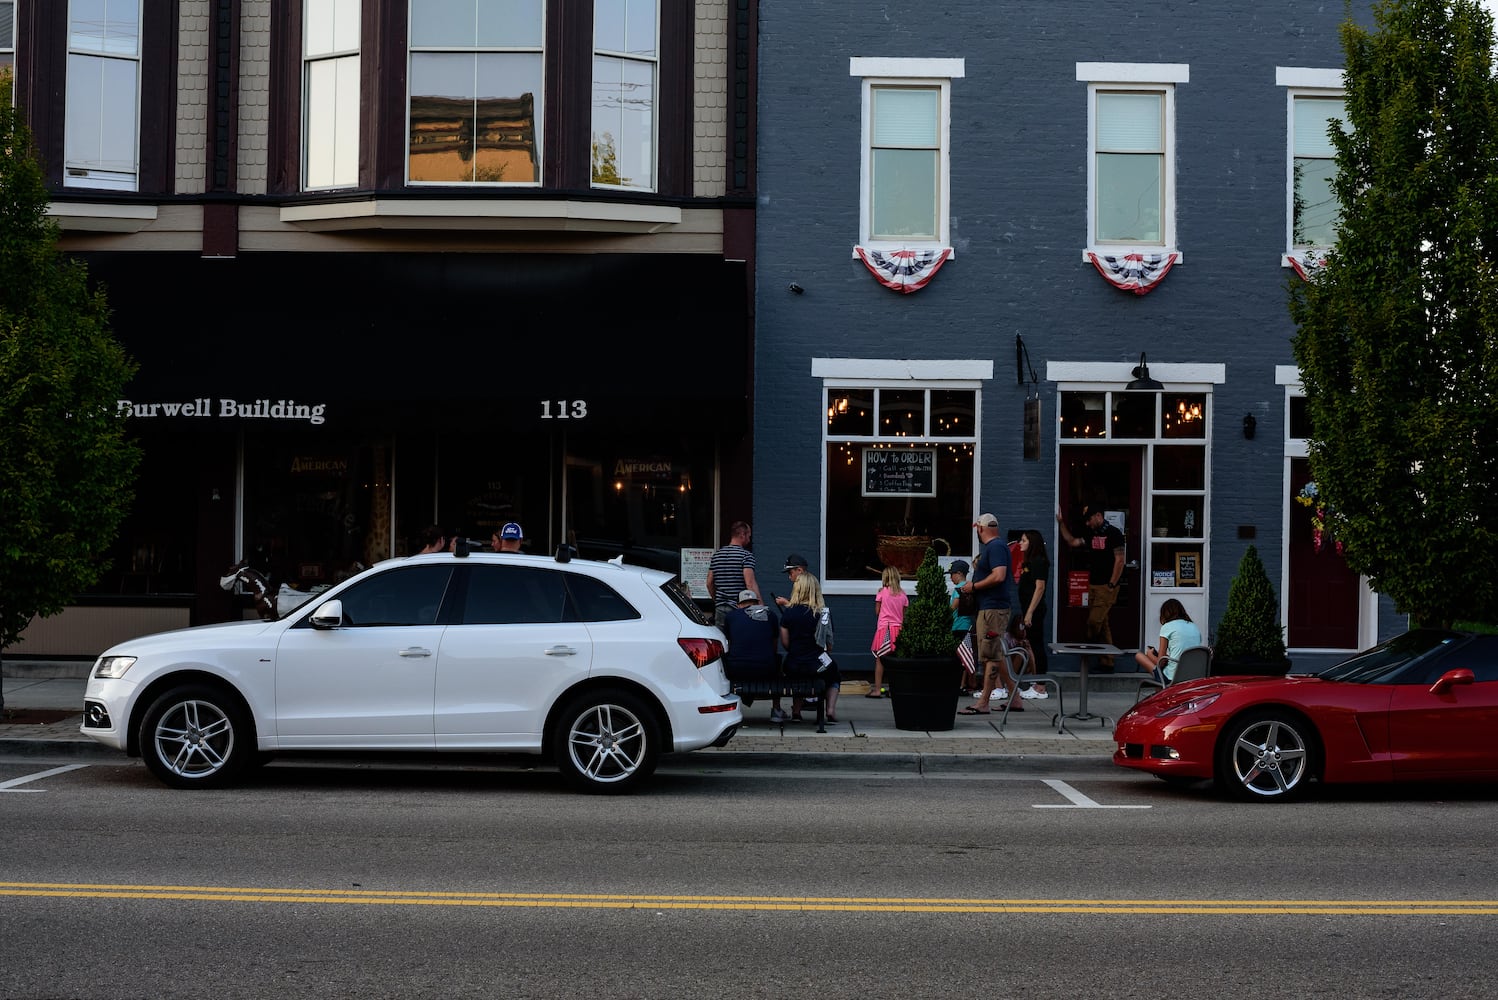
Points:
x=928 y=621
x=1250 y=631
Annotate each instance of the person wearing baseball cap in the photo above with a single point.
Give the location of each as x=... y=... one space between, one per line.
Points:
x=753 y=652
x=794 y=566
x=990 y=588
x=508 y=538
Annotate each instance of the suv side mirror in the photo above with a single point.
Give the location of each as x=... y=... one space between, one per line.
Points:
x=328 y=615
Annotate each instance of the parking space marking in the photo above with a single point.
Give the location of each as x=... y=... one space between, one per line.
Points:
x=1075 y=799
x=10 y=786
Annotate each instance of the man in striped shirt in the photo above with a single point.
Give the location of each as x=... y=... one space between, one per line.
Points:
x=730 y=571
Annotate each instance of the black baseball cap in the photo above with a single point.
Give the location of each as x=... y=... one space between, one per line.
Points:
x=794 y=561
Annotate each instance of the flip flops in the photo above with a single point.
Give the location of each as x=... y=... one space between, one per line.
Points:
x=971 y=710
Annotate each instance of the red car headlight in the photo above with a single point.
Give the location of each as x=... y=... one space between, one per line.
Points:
x=1190 y=706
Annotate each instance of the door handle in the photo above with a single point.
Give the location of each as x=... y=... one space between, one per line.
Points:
x=561 y=651
x=415 y=651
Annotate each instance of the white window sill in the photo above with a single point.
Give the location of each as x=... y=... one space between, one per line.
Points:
x=1124 y=251
x=884 y=246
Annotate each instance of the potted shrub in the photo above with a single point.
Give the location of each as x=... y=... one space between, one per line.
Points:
x=925 y=676
x=1249 y=639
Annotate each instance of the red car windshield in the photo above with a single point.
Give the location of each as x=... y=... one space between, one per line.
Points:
x=1387 y=662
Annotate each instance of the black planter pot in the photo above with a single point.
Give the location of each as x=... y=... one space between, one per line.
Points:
x=924 y=691
x=1242 y=666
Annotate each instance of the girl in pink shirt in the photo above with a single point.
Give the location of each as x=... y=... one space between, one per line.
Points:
x=891 y=602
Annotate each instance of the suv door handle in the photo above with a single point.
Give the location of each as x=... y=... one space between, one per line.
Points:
x=561 y=651
x=415 y=651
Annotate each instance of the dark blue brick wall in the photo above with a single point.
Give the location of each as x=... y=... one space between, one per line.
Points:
x=1018 y=217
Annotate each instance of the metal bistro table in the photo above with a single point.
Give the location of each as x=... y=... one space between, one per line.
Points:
x=1086 y=651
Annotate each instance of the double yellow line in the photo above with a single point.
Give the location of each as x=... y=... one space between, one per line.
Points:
x=550 y=900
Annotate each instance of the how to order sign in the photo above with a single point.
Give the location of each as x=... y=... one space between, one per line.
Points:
x=899 y=472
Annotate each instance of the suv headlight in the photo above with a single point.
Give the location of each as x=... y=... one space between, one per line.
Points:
x=113 y=666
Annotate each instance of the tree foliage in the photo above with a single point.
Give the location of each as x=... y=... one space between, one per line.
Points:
x=927 y=630
x=1397 y=338
x=66 y=467
x=1250 y=626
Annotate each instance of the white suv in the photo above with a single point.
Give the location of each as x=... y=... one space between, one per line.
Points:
x=599 y=665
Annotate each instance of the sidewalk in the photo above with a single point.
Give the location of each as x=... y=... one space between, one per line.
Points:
x=864 y=726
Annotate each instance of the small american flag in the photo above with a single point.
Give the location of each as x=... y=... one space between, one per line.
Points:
x=886 y=645
x=966 y=655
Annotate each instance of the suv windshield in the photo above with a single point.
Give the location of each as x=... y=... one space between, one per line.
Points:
x=1379 y=664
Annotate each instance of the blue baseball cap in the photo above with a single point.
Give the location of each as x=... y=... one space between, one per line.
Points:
x=511 y=530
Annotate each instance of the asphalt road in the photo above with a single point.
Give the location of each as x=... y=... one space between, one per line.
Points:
x=1037 y=878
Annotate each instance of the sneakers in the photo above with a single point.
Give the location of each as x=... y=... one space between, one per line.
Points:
x=776 y=715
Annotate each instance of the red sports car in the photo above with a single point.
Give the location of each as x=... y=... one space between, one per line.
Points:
x=1420 y=706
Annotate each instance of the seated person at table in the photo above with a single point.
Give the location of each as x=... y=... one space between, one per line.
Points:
x=753 y=653
x=1177 y=632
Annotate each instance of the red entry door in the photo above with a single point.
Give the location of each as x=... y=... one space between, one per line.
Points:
x=1114 y=475
x=1322 y=609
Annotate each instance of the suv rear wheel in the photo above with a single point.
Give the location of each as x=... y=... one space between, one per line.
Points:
x=607 y=741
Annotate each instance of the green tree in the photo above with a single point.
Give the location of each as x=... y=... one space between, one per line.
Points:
x=1397 y=337
x=66 y=467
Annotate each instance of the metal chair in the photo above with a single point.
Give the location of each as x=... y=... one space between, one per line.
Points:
x=1010 y=651
x=1193 y=663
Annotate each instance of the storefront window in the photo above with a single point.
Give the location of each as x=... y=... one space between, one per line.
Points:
x=316 y=510
x=899 y=485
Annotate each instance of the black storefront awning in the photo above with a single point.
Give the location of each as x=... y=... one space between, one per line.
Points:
x=527 y=341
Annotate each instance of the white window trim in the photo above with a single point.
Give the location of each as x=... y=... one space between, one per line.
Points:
x=334 y=57
x=884 y=72
x=883 y=373
x=655 y=111
x=1289 y=377
x=1300 y=81
x=1158 y=77
x=477 y=50
x=1086 y=374
x=99 y=181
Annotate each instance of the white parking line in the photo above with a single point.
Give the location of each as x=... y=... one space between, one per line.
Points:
x=10 y=786
x=1076 y=799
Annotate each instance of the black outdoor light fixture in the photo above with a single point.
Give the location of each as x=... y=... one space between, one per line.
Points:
x=1249 y=424
x=1142 y=378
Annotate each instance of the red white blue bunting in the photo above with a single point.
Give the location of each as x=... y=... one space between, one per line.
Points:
x=1133 y=272
x=904 y=270
x=1307 y=262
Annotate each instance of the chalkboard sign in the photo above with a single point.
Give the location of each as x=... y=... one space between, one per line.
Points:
x=1188 y=569
x=899 y=472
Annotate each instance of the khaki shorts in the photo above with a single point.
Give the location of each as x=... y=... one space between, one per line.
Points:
x=991 y=626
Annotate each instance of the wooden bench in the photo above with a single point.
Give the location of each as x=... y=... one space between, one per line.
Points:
x=783 y=687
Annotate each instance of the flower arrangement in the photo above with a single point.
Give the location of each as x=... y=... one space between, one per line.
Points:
x=1320 y=533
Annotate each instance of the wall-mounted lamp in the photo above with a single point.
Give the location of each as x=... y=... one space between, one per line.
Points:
x=1249 y=424
x=795 y=288
x=1142 y=378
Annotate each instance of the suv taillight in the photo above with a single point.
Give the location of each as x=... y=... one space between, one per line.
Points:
x=701 y=651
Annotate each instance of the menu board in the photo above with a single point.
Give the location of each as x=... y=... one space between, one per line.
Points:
x=899 y=472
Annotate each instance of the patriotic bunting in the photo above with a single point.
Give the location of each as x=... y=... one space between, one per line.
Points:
x=904 y=270
x=1133 y=272
x=1306 y=262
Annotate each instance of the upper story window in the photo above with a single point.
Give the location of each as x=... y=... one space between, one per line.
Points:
x=1131 y=154
x=1315 y=102
x=100 y=144
x=903 y=179
x=7 y=32
x=626 y=70
x=476 y=91
x=330 y=55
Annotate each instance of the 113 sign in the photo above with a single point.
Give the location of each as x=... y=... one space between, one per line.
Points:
x=564 y=409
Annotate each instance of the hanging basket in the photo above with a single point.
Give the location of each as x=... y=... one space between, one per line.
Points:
x=905 y=552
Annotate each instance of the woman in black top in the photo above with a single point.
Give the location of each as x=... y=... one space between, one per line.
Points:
x=1032 y=588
